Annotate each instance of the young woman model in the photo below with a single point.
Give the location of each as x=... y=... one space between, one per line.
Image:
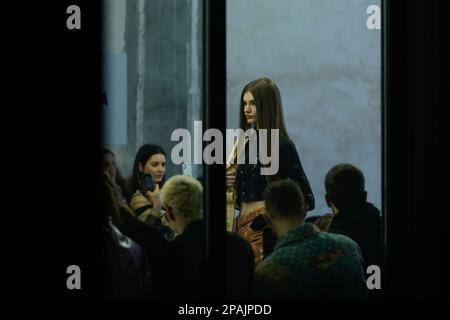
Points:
x=261 y=108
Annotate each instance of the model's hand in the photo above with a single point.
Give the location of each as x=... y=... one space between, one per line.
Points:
x=231 y=178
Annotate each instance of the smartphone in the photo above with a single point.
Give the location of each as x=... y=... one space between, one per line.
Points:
x=258 y=223
x=148 y=181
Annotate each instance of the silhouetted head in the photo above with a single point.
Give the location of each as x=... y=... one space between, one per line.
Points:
x=344 y=185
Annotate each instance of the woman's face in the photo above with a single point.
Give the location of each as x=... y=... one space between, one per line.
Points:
x=109 y=166
x=156 y=166
x=249 y=107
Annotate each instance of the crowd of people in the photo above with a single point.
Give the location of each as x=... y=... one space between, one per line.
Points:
x=154 y=237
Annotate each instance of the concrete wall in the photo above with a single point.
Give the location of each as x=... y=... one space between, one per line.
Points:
x=327 y=65
x=160 y=39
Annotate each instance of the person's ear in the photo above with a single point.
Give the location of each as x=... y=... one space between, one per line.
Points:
x=305 y=209
x=170 y=214
x=328 y=200
x=270 y=222
x=268 y=218
x=365 y=196
x=140 y=167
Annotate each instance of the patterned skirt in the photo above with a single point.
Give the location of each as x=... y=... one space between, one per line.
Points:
x=254 y=237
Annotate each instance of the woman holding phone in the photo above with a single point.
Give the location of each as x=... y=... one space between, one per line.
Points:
x=145 y=182
x=261 y=108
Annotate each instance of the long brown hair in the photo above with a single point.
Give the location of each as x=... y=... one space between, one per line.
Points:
x=269 y=110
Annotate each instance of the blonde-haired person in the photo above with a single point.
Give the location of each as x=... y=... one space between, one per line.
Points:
x=180 y=266
x=182 y=197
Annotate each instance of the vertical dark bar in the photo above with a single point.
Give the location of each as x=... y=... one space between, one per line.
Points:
x=417 y=150
x=394 y=123
x=214 y=117
x=384 y=141
x=57 y=85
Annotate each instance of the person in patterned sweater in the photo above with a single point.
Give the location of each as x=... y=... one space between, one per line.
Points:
x=306 y=263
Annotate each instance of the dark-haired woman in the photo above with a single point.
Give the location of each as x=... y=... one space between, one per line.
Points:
x=146 y=204
x=261 y=108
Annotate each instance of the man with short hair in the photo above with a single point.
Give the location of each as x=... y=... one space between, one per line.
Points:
x=180 y=266
x=352 y=215
x=306 y=263
x=182 y=197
